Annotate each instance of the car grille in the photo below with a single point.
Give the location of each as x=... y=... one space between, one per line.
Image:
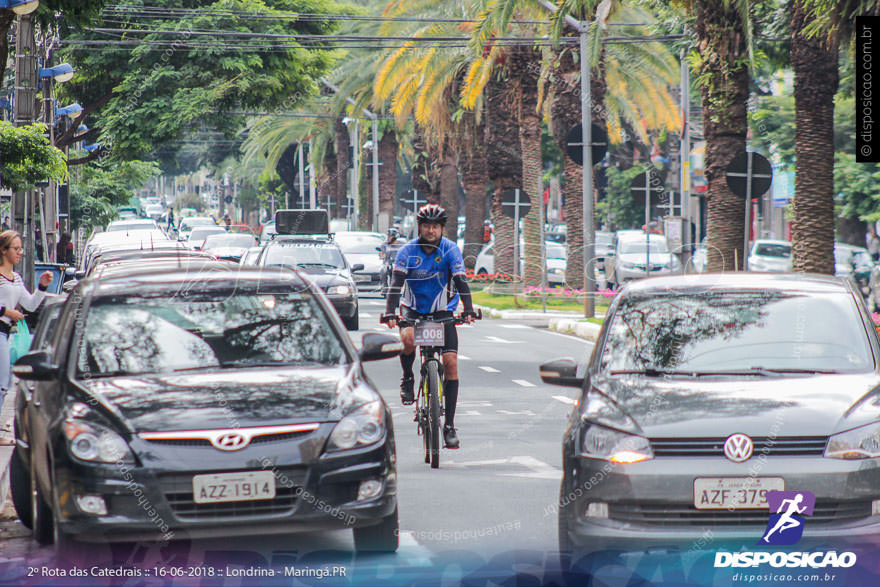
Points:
x=714 y=447
x=653 y=267
x=829 y=512
x=177 y=489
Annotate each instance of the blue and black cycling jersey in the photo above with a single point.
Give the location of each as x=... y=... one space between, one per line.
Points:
x=432 y=278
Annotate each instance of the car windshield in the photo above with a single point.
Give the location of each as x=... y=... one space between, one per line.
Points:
x=639 y=246
x=118 y=226
x=773 y=250
x=305 y=256
x=555 y=251
x=242 y=241
x=737 y=330
x=360 y=246
x=139 y=335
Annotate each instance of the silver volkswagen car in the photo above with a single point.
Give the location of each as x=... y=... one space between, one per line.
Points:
x=704 y=393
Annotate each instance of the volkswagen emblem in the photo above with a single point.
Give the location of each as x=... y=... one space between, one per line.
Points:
x=738 y=447
x=236 y=441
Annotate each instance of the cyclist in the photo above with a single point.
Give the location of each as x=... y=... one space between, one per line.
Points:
x=432 y=271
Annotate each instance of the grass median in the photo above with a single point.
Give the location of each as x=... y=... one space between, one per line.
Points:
x=521 y=302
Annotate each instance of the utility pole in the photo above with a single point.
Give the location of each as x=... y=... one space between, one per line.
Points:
x=25 y=96
x=49 y=200
x=685 y=158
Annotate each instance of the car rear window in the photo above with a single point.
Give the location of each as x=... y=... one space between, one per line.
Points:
x=741 y=330
x=155 y=334
x=773 y=250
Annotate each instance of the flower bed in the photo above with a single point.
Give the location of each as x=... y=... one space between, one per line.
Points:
x=492 y=277
x=561 y=292
x=876 y=317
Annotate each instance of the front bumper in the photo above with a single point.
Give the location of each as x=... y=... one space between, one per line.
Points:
x=346 y=306
x=156 y=502
x=365 y=280
x=624 y=274
x=652 y=503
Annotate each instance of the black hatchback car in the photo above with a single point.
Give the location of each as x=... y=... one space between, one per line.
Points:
x=166 y=407
x=706 y=392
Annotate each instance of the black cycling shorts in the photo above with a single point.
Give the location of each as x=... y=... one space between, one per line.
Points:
x=408 y=317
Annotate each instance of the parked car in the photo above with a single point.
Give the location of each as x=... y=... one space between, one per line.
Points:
x=770 y=255
x=198 y=235
x=632 y=254
x=187 y=225
x=132 y=224
x=143 y=392
x=555 y=258
x=703 y=393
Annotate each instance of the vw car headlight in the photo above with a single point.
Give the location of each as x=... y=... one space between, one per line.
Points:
x=603 y=443
x=88 y=441
x=339 y=290
x=858 y=443
x=366 y=425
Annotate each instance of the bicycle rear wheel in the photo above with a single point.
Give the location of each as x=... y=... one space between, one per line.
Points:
x=433 y=377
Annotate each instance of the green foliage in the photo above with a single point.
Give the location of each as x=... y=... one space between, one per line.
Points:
x=104 y=185
x=619 y=210
x=189 y=200
x=158 y=93
x=26 y=157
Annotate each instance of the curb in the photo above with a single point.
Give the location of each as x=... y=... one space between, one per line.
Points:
x=524 y=314
x=585 y=330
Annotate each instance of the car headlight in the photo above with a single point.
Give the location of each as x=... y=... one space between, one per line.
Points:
x=603 y=443
x=339 y=290
x=88 y=441
x=858 y=443
x=364 y=426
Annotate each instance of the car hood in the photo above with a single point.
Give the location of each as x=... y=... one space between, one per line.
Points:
x=371 y=261
x=230 y=398
x=640 y=258
x=227 y=251
x=780 y=262
x=324 y=277
x=817 y=405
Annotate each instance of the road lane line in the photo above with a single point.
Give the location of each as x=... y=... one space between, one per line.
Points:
x=514 y=326
x=565 y=399
x=524 y=383
x=503 y=340
x=489 y=369
x=463 y=358
x=366 y=315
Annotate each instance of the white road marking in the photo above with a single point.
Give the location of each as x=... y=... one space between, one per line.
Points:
x=467 y=413
x=514 y=326
x=365 y=315
x=523 y=382
x=502 y=340
x=489 y=369
x=474 y=404
x=463 y=358
x=517 y=413
x=565 y=399
x=536 y=469
x=416 y=554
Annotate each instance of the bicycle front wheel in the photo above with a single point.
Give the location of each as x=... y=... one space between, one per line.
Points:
x=434 y=412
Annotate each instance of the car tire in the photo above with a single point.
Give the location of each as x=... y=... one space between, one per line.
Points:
x=41 y=514
x=565 y=544
x=20 y=487
x=383 y=537
x=351 y=323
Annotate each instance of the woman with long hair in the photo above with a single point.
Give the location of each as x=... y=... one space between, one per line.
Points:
x=12 y=294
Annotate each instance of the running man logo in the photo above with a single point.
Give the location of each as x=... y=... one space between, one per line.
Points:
x=786 y=526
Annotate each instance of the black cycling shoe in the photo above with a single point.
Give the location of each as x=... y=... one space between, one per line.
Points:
x=450 y=437
x=406 y=391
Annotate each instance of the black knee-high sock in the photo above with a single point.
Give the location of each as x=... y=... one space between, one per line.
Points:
x=450 y=394
x=406 y=361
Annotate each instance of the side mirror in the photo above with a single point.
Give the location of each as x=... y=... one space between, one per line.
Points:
x=358 y=267
x=561 y=372
x=377 y=346
x=79 y=275
x=36 y=366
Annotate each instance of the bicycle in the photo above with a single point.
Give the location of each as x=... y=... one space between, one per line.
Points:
x=430 y=336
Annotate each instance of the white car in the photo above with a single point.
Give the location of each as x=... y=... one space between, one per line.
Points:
x=363 y=248
x=772 y=256
x=556 y=256
x=198 y=235
x=633 y=252
x=188 y=224
x=132 y=224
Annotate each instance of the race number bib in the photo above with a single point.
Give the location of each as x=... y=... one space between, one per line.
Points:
x=429 y=334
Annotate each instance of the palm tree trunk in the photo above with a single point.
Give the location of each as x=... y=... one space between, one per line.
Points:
x=474 y=179
x=815 y=83
x=504 y=157
x=387 y=177
x=327 y=196
x=342 y=163
x=426 y=168
x=530 y=143
x=449 y=187
x=722 y=47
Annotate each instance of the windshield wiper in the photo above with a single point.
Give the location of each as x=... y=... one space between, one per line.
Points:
x=652 y=372
x=317 y=265
x=766 y=372
x=249 y=363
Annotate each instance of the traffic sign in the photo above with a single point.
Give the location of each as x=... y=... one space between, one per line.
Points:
x=574 y=143
x=650 y=178
x=515 y=203
x=740 y=170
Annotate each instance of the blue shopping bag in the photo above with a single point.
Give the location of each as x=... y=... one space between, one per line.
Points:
x=21 y=342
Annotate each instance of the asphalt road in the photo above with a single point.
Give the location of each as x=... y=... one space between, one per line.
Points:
x=486 y=510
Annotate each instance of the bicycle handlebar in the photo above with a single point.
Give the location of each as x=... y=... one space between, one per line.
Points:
x=460 y=319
